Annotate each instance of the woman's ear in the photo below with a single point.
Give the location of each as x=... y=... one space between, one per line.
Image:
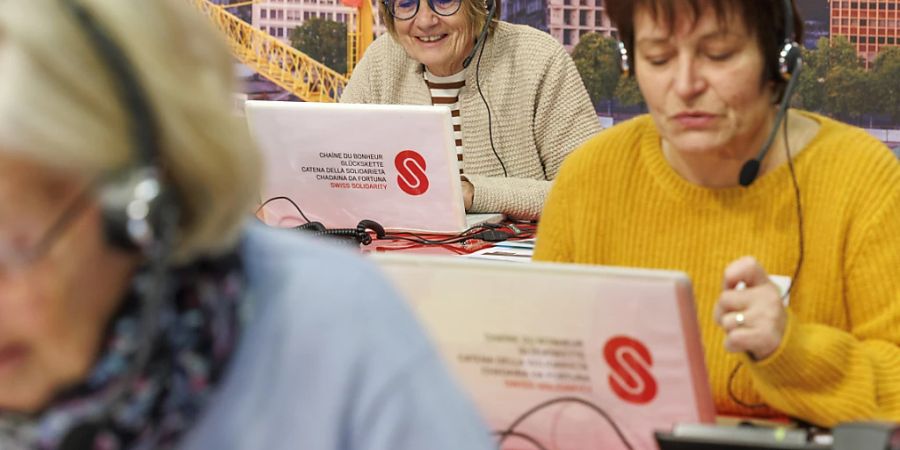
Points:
x=777 y=90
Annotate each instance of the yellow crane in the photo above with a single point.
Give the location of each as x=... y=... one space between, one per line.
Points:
x=284 y=65
x=359 y=37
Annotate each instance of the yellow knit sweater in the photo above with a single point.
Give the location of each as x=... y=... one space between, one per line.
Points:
x=618 y=202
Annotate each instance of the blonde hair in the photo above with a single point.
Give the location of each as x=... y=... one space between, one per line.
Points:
x=60 y=106
x=475 y=12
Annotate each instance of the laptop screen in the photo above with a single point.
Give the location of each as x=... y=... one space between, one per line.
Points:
x=563 y=356
x=342 y=163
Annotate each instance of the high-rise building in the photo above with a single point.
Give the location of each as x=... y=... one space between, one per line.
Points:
x=813 y=30
x=526 y=12
x=243 y=12
x=815 y=21
x=280 y=17
x=868 y=25
x=565 y=20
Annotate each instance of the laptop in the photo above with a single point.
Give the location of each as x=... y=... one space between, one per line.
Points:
x=563 y=356
x=708 y=437
x=342 y=163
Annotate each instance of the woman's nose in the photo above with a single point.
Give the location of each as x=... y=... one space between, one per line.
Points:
x=689 y=81
x=425 y=17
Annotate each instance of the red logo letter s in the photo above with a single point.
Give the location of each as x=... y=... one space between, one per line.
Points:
x=411 y=168
x=630 y=362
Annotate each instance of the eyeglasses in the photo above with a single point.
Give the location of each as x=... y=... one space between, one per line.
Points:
x=407 y=9
x=14 y=259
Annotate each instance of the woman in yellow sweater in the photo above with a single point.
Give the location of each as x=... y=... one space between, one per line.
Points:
x=668 y=191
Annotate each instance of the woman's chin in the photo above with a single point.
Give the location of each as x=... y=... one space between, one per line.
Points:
x=696 y=142
x=23 y=402
x=22 y=390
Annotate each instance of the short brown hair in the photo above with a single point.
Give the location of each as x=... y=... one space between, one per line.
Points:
x=474 y=10
x=763 y=18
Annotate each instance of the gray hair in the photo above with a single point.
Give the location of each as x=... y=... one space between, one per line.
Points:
x=60 y=107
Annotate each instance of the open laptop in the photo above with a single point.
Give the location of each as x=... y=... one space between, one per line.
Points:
x=707 y=437
x=341 y=163
x=562 y=356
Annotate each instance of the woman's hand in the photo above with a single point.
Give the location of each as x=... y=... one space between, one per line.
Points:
x=750 y=310
x=468 y=194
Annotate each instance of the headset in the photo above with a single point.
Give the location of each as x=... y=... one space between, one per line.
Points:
x=789 y=66
x=357 y=236
x=491 y=10
x=139 y=211
x=134 y=200
x=491 y=6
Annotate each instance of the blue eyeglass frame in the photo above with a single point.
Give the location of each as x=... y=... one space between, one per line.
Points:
x=387 y=5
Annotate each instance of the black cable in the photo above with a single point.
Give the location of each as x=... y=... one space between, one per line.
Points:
x=159 y=255
x=420 y=236
x=486 y=232
x=800 y=244
x=512 y=427
x=490 y=232
x=349 y=234
x=801 y=247
x=733 y=396
x=487 y=235
x=468 y=233
x=281 y=197
x=490 y=126
x=523 y=436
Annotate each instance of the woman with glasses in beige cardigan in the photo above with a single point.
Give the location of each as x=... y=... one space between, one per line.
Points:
x=518 y=103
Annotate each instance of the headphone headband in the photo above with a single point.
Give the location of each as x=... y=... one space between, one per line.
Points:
x=788 y=56
x=133 y=197
x=143 y=127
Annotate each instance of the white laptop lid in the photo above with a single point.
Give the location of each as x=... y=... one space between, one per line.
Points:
x=341 y=163
x=608 y=348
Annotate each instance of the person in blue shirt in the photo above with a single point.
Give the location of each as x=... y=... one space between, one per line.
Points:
x=139 y=306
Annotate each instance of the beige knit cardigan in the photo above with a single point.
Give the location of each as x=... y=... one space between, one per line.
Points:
x=540 y=111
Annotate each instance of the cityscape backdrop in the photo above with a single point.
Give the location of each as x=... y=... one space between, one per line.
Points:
x=852 y=56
